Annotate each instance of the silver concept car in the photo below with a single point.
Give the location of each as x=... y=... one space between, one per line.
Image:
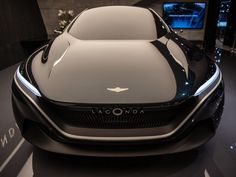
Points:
x=118 y=82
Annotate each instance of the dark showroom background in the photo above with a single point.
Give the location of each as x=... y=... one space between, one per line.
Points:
x=26 y=25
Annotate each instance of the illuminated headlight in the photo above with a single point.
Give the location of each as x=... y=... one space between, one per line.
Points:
x=208 y=83
x=28 y=85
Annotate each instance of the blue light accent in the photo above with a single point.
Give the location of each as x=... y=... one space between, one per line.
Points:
x=221 y=24
x=208 y=82
x=184 y=15
x=27 y=84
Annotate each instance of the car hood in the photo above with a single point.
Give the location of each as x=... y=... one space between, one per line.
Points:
x=117 y=71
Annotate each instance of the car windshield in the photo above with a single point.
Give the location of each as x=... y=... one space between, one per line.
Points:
x=118 y=23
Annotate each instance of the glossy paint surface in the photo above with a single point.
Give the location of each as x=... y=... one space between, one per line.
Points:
x=216 y=159
x=155 y=69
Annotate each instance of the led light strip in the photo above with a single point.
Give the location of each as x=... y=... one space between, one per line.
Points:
x=26 y=83
x=208 y=83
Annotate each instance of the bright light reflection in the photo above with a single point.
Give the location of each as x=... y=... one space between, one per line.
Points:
x=208 y=83
x=27 y=84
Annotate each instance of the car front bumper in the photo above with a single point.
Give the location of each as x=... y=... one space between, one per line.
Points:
x=194 y=132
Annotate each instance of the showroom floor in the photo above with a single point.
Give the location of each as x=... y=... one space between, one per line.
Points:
x=216 y=159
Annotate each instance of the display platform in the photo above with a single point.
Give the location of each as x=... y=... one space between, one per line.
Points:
x=216 y=159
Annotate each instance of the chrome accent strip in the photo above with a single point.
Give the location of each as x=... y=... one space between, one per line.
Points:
x=136 y=138
x=117 y=89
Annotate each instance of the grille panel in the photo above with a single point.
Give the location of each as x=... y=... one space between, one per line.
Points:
x=83 y=116
x=153 y=116
x=127 y=121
